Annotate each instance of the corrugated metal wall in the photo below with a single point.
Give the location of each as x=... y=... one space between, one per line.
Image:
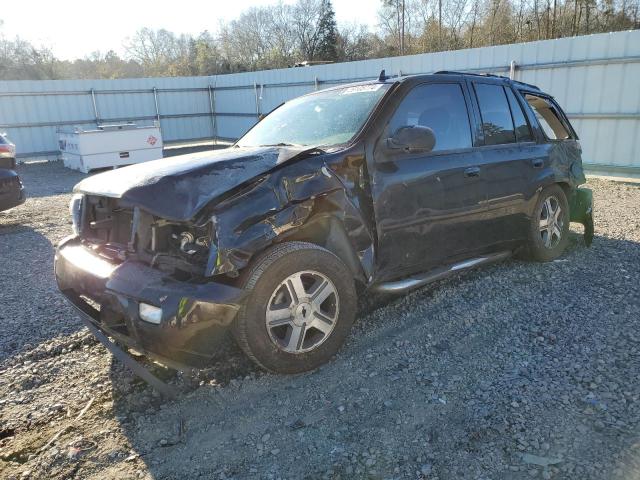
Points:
x=30 y=111
x=596 y=79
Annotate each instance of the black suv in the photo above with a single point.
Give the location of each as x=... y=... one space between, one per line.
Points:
x=388 y=184
x=11 y=188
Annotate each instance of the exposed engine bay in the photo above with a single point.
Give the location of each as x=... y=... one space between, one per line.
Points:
x=120 y=232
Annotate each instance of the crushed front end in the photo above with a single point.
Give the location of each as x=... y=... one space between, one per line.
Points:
x=142 y=280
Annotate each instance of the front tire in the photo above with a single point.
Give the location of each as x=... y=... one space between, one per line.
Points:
x=549 y=228
x=301 y=306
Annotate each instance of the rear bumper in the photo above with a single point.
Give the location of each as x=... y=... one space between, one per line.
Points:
x=581 y=208
x=195 y=317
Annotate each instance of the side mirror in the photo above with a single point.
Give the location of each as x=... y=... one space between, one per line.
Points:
x=415 y=138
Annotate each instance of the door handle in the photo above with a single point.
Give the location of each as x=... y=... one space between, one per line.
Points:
x=537 y=162
x=472 y=172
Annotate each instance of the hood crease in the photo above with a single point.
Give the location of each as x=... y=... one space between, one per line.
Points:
x=176 y=188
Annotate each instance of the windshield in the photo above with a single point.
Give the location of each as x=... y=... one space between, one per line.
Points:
x=321 y=119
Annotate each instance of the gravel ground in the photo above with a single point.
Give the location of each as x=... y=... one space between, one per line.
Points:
x=515 y=371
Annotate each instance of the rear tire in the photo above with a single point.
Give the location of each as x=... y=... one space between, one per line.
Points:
x=549 y=227
x=301 y=306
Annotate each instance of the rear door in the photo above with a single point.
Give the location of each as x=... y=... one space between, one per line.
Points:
x=428 y=206
x=510 y=158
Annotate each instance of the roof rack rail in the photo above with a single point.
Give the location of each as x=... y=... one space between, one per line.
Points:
x=453 y=72
x=534 y=87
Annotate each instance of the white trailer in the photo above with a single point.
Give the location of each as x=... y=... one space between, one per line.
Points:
x=109 y=146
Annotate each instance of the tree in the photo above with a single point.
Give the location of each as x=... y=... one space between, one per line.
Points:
x=356 y=42
x=314 y=29
x=280 y=35
x=205 y=55
x=160 y=52
x=261 y=37
x=99 y=65
x=328 y=33
x=22 y=60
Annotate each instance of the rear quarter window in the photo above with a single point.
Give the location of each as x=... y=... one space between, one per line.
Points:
x=548 y=117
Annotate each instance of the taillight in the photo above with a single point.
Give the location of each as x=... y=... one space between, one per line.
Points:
x=7 y=149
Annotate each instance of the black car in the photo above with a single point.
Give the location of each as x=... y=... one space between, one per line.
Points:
x=385 y=185
x=11 y=188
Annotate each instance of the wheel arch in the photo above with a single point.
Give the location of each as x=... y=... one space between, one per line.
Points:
x=566 y=188
x=330 y=220
x=329 y=232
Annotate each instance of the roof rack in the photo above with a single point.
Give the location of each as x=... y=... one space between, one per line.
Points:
x=534 y=87
x=453 y=72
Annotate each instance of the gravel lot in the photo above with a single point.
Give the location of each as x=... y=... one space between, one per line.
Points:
x=515 y=371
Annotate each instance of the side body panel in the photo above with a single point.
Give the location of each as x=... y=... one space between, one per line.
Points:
x=515 y=173
x=316 y=199
x=429 y=207
x=427 y=210
x=562 y=158
x=510 y=172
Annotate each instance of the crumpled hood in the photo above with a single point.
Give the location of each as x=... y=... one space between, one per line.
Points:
x=176 y=188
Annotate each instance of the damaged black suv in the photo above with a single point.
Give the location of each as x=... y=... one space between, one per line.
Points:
x=388 y=184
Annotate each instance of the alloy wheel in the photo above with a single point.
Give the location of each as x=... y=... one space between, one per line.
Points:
x=551 y=222
x=302 y=312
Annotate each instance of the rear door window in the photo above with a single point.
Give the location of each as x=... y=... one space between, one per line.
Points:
x=523 y=131
x=497 y=123
x=548 y=116
x=441 y=107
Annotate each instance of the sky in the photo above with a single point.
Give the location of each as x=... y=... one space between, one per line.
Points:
x=75 y=28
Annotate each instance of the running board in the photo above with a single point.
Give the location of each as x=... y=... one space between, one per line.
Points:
x=400 y=286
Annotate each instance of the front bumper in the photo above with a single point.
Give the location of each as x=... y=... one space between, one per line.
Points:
x=195 y=317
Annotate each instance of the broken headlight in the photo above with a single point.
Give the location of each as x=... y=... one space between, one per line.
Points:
x=75 y=209
x=192 y=244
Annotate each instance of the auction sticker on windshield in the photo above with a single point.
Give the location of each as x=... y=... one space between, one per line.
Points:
x=362 y=88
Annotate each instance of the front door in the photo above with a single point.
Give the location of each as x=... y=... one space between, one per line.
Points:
x=428 y=206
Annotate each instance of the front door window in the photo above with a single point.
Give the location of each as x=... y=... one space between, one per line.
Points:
x=441 y=107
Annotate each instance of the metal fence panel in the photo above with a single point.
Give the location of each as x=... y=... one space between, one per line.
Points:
x=595 y=78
